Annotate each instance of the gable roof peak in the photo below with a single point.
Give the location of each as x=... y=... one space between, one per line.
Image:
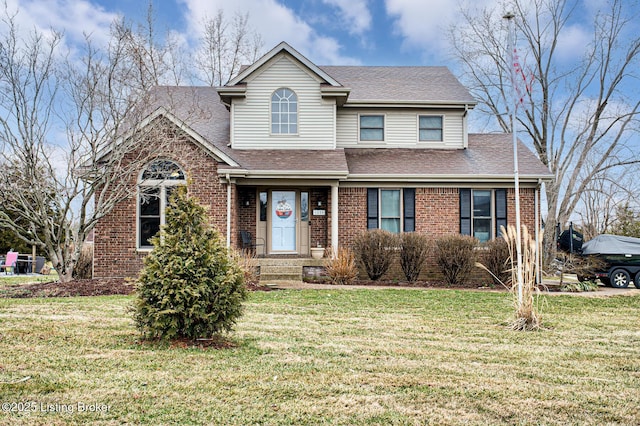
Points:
x=283 y=47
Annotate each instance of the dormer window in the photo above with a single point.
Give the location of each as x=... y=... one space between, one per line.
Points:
x=284 y=112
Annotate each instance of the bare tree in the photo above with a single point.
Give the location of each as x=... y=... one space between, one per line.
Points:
x=578 y=116
x=70 y=129
x=225 y=47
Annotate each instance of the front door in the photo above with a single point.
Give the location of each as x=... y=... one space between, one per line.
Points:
x=283 y=221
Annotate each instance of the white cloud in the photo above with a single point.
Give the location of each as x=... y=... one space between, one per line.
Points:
x=424 y=24
x=74 y=17
x=572 y=42
x=355 y=13
x=274 y=22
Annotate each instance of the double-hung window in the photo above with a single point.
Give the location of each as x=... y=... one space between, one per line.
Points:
x=430 y=128
x=284 y=112
x=372 y=127
x=156 y=184
x=391 y=209
x=482 y=212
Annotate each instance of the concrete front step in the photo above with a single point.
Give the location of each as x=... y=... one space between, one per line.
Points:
x=284 y=269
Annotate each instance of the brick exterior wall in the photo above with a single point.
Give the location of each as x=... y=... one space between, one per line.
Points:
x=115 y=251
x=116 y=254
x=319 y=225
x=352 y=214
x=437 y=215
x=437 y=211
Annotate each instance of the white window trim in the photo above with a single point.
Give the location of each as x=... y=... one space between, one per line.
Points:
x=285 y=135
x=401 y=217
x=418 y=127
x=384 y=127
x=492 y=217
x=163 y=184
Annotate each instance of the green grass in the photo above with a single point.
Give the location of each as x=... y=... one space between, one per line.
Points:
x=330 y=357
x=7 y=280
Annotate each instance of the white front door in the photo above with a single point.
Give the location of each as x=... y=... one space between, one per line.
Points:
x=283 y=221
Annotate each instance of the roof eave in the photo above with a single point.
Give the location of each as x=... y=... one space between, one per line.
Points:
x=533 y=178
x=410 y=104
x=288 y=174
x=283 y=46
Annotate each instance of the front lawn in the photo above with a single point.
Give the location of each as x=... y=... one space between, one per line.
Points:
x=327 y=357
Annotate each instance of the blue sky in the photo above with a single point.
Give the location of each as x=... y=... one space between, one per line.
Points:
x=329 y=32
x=367 y=32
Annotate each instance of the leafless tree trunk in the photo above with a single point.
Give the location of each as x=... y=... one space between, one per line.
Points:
x=578 y=116
x=66 y=161
x=225 y=47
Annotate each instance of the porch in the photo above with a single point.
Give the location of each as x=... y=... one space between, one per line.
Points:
x=286 y=269
x=286 y=221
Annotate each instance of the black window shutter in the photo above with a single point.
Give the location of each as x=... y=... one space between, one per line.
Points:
x=465 y=211
x=409 y=196
x=372 y=208
x=501 y=210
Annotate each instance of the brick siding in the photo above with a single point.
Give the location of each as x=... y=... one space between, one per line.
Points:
x=115 y=251
x=116 y=254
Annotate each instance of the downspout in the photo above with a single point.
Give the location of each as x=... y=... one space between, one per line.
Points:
x=465 y=134
x=228 y=211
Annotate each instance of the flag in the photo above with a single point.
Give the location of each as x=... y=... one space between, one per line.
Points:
x=521 y=84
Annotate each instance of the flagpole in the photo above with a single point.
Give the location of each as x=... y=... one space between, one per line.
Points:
x=509 y=16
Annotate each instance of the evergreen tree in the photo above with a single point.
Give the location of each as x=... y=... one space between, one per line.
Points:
x=627 y=222
x=190 y=286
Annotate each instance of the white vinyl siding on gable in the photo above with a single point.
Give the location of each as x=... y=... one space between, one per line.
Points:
x=251 y=117
x=401 y=129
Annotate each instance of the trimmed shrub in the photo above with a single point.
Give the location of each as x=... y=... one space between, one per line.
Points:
x=341 y=268
x=190 y=285
x=84 y=265
x=455 y=256
x=375 y=251
x=414 y=249
x=495 y=258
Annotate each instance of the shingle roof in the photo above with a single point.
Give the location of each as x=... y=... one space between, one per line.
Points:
x=488 y=156
x=406 y=84
x=291 y=162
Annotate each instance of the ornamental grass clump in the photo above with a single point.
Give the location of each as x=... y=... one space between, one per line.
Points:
x=341 y=267
x=190 y=286
x=526 y=300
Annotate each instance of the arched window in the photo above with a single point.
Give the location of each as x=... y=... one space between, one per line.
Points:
x=155 y=186
x=284 y=112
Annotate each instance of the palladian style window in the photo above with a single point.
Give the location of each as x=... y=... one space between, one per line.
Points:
x=284 y=112
x=155 y=186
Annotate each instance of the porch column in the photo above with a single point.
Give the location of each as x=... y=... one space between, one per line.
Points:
x=334 y=217
x=228 y=211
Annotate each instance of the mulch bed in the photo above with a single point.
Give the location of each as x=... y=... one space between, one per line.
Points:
x=89 y=287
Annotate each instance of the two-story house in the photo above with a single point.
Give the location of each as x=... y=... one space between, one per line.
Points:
x=302 y=155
